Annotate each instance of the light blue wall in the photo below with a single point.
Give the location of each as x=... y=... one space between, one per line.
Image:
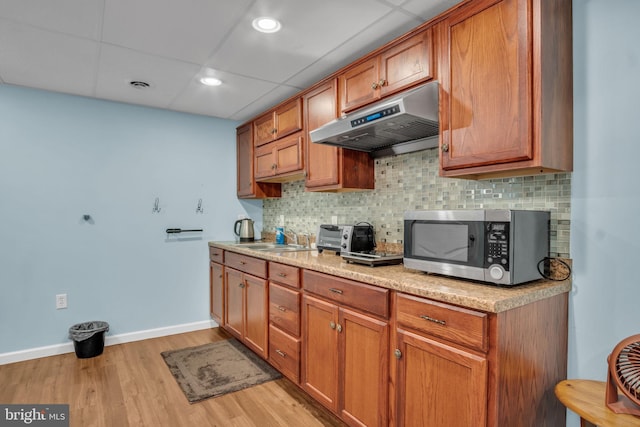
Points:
x=605 y=206
x=64 y=156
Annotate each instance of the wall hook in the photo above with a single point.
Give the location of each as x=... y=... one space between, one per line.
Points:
x=156 y=208
x=199 y=208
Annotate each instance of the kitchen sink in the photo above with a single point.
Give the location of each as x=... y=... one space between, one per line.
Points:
x=275 y=247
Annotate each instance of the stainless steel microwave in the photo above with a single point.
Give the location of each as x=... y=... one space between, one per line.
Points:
x=500 y=246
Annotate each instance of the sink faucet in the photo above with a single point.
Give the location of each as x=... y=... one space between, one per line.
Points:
x=294 y=236
x=307 y=241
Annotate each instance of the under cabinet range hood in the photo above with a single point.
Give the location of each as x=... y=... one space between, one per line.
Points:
x=401 y=124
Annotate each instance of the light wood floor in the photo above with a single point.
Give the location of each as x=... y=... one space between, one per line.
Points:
x=130 y=385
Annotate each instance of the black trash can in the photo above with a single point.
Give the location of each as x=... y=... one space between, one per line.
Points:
x=88 y=338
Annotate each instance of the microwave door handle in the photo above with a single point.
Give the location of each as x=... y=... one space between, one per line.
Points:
x=472 y=240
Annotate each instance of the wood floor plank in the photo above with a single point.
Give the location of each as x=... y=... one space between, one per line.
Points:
x=130 y=385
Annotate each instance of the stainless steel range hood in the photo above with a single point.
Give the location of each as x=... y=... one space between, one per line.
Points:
x=401 y=124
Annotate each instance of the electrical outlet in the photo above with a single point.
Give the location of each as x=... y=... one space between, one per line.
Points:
x=61 y=301
x=334 y=219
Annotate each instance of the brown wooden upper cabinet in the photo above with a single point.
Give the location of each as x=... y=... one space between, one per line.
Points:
x=330 y=168
x=395 y=68
x=280 y=160
x=506 y=95
x=247 y=187
x=282 y=121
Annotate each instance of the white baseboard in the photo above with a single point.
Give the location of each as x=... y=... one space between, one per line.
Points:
x=52 y=350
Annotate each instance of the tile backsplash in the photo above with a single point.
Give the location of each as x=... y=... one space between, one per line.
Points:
x=411 y=182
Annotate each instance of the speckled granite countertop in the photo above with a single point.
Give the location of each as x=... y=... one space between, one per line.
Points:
x=469 y=294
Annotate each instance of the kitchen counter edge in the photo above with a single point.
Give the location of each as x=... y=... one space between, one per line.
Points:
x=479 y=296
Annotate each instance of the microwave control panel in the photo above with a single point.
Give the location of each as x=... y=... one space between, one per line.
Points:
x=497 y=244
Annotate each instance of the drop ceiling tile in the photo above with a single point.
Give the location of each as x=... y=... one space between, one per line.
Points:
x=82 y=18
x=309 y=30
x=427 y=9
x=391 y=26
x=235 y=93
x=188 y=31
x=265 y=102
x=119 y=66
x=47 y=60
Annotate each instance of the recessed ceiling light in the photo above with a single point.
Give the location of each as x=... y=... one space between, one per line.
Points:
x=266 y=25
x=210 y=81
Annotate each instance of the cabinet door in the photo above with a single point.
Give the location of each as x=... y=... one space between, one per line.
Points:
x=216 y=292
x=264 y=129
x=288 y=118
x=322 y=165
x=439 y=385
x=320 y=355
x=486 y=104
x=331 y=168
x=359 y=85
x=364 y=369
x=255 y=314
x=233 y=291
x=288 y=154
x=265 y=162
x=406 y=64
x=247 y=187
x=244 y=151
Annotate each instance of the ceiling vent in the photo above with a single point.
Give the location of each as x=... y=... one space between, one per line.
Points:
x=139 y=84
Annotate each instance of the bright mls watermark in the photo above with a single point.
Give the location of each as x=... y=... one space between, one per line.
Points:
x=34 y=415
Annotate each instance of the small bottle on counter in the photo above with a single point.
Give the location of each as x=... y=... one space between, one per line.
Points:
x=280 y=235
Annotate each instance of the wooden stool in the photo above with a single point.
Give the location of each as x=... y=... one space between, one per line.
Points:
x=586 y=398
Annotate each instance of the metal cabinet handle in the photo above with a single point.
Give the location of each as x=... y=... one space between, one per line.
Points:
x=281 y=353
x=339 y=327
x=431 y=319
x=242 y=263
x=282 y=275
x=281 y=308
x=397 y=353
x=445 y=148
x=374 y=85
x=241 y=285
x=335 y=291
x=332 y=324
x=382 y=82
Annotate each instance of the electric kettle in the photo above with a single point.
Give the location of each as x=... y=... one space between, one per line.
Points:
x=243 y=228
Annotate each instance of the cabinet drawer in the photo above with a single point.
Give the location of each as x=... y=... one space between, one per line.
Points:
x=284 y=308
x=284 y=353
x=247 y=264
x=456 y=324
x=216 y=254
x=284 y=274
x=358 y=295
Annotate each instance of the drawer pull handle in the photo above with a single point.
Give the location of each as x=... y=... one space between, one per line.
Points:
x=242 y=263
x=332 y=325
x=215 y=254
x=281 y=308
x=431 y=319
x=336 y=291
x=397 y=353
x=241 y=285
x=339 y=327
x=282 y=275
x=281 y=353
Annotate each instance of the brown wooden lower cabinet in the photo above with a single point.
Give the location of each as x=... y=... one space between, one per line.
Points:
x=246 y=299
x=439 y=385
x=459 y=367
x=383 y=358
x=345 y=354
